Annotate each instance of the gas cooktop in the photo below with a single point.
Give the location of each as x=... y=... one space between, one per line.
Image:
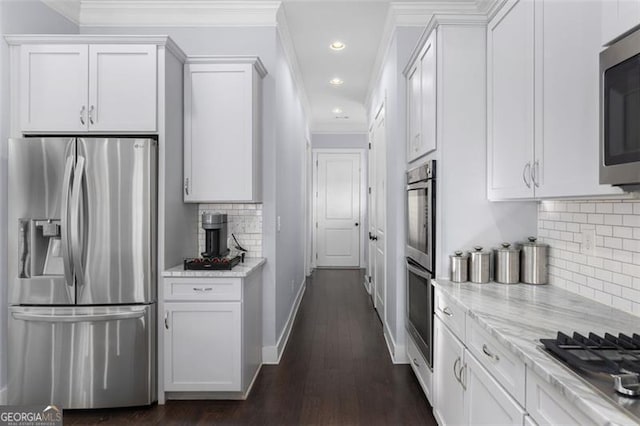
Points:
x=611 y=364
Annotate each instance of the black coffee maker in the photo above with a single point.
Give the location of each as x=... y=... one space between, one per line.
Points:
x=215 y=227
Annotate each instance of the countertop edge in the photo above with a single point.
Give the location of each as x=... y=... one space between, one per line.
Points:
x=242 y=270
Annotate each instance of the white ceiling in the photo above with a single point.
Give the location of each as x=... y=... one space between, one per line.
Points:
x=311 y=25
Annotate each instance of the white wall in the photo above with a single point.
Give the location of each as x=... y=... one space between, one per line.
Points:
x=16 y=17
x=391 y=86
x=283 y=142
x=339 y=140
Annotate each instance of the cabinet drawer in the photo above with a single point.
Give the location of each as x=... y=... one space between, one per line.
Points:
x=451 y=313
x=547 y=406
x=420 y=368
x=188 y=289
x=501 y=363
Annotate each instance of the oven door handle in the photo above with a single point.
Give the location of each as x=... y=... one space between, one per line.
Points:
x=419 y=272
x=419 y=185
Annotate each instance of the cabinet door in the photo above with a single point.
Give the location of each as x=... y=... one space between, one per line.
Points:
x=122 y=88
x=53 y=88
x=218 y=133
x=567 y=100
x=448 y=392
x=414 y=104
x=203 y=346
x=428 y=97
x=485 y=401
x=510 y=101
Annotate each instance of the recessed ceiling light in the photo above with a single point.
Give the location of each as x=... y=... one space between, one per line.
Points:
x=337 y=111
x=336 y=81
x=337 y=45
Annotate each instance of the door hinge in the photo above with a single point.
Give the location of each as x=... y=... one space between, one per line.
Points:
x=369 y=190
x=369 y=145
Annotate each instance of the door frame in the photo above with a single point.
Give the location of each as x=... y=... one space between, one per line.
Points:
x=314 y=198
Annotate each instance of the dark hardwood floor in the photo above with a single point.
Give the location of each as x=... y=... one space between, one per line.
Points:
x=336 y=370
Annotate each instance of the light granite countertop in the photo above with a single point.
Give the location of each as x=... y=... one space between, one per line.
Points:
x=239 y=271
x=520 y=315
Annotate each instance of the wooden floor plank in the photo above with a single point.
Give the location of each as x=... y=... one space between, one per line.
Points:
x=336 y=370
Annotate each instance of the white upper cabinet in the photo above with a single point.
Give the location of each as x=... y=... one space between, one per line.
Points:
x=543 y=101
x=510 y=101
x=222 y=129
x=53 y=87
x=618 y=18
x=421 y=102
x=87 y=88
x=122 y=87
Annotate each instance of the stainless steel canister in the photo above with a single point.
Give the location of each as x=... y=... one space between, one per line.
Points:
x=507 y=264
x=533 y=262
x=459 y=267
x=479 y=265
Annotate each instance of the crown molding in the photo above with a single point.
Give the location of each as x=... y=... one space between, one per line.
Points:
x=70 y=9
x=212 y=59
x=178 y=13
x=292 y=60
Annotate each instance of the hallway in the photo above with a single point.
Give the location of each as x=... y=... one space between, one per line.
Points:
x=336 y=369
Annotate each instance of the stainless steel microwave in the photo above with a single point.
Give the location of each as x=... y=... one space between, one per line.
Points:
x=620 y=113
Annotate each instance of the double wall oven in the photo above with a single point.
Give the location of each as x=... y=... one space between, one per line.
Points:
x=421 y=255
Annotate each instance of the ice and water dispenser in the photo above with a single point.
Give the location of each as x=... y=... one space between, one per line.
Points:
x=40 y=248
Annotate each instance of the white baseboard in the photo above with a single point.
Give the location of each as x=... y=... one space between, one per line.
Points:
x=398 y=352
x=367 y=284
x=272 y=354
x=3 y=396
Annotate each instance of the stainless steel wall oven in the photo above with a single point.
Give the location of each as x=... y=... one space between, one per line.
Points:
x=421 y=255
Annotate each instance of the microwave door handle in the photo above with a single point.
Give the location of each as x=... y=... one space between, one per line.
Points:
x=418 y=272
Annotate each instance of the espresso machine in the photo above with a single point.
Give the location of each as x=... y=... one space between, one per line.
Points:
x=216 y=253
x=215 y=228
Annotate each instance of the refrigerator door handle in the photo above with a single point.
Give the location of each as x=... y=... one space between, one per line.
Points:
x=78 y=317
x=76 y=241
x=64 y=222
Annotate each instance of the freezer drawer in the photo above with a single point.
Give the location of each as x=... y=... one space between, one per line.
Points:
x=82 y=357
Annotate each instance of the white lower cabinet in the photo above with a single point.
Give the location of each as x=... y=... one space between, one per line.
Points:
x=212 y=335
x=547 y=406
x=202 y=347
x=465 y=393
x=485 y=401
x=448 y=390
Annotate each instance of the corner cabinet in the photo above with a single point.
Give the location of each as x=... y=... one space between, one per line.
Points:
x=212 y=335
x=222 y=135
x=421 y=102
x=74 y=86
x=543 y=101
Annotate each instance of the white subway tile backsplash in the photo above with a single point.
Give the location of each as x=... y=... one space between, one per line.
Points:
x=244 y=221
x=612 y=275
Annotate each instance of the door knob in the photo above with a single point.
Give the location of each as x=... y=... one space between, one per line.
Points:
x=357 y=224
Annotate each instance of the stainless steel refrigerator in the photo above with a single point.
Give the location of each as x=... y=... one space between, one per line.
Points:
x=82 y=281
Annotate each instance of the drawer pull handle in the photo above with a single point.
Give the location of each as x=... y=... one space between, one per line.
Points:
x=447 y=311
x=202 y=289
x=455 y=370
x=166 y=320
x=463 y=376
x=415 y=362
x=489 y=354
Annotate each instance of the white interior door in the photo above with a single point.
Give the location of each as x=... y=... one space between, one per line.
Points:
x=338 y=209
x=379 y=189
